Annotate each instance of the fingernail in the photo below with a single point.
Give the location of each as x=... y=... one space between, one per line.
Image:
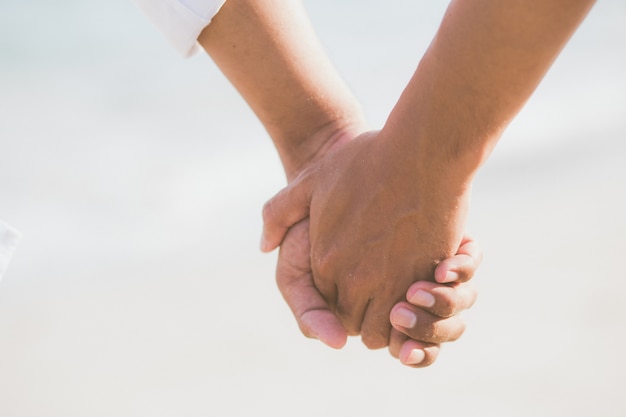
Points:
x=416 y=356
x=451 y=276
x=404 y=318
x=422 y=298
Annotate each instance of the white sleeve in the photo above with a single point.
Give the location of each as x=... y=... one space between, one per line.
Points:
x=181 y=21
x=8 y=241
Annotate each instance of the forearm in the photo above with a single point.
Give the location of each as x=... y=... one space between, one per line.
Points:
x=269 y=52
x=484 y=63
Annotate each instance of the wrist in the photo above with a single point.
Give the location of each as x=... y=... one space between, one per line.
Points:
x=432 y=163
x=436 y=135
x=297 y=153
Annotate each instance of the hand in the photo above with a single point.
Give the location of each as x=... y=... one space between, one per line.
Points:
x=434 y=307
x=378 y=224
x=295 y=282
x=431 y=315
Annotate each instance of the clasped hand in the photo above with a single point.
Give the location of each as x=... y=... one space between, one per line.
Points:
x=361 y=231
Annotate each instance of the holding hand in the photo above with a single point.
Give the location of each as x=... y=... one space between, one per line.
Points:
x=386 y=211
x=377 y=225
x=430 y=317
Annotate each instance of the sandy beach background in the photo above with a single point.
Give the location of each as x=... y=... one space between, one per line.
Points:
x=137 y=179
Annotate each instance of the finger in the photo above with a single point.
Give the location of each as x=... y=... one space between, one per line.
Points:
x=323 y=325
x=294 y=279
x=286 y=208
x=461 y=266
x=314 y=317
x=417 y=354
x=423 y=326
x=351 y=310
x=443 y=300
x=396 y=340
x=376 y=328
x=412 y=352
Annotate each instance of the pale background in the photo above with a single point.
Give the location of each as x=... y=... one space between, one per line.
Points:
x=137 y=179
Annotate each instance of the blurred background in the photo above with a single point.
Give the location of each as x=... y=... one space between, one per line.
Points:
x=137 y=179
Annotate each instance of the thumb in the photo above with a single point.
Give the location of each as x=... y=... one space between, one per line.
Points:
x=282 y=211
x=295 y=281
x=325 y=326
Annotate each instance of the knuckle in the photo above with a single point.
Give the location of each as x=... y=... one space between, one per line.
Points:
x=461 y=326
x=425 y=331
x=431 y=331
x=430 y=328
x=465 y=274
x=448 y=309
x=448 y=301
x=323 y=263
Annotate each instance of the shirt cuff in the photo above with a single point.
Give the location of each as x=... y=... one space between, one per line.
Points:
x=8 y=241
x=181 y=21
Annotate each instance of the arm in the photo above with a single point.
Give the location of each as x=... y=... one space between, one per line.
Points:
x=269 y=52
x=482 y=66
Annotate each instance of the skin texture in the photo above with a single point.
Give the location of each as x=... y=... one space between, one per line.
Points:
x=268 y=51
x=390 y=205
